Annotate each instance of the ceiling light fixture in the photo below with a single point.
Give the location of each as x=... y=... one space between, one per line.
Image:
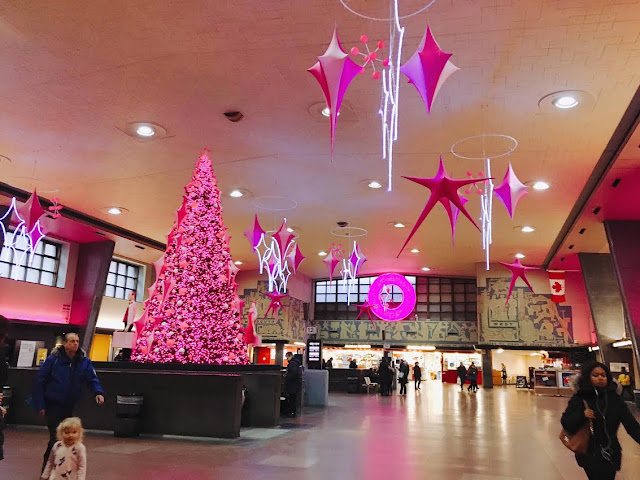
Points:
x=399 y=225
x=540 y=185
x=520 y=255
x=114 y=211
x=622 y=343
x=565 y=101
x=289 y=229
x=326 y=112
x=236 y=193
x=322 y=253
x=415 y=250
x=500 y=350
x=238 y=262
x=425 y=269
x=527 y=229
x=374 y=184
x=145 y=131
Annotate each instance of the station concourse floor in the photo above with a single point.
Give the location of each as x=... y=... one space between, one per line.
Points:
x=438 y=433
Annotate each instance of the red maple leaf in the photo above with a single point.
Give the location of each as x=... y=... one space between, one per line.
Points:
x=557 y=287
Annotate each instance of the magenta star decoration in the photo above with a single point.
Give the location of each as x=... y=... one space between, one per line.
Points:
x=295 y=258
x=366 y=308
x=455 y=213
x=517 y=271
x=510 y=191
x=276 y=303
x=334 y=71
x=331 y=261
x=444 y=189
x=255 y=233
x=428 y=69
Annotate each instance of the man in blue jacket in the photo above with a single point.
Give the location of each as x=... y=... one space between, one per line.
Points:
x=59 y=385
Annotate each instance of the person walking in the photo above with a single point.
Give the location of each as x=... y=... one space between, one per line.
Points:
x=472 y=375
x=292 y=383
x=4 y=373
x=329 y=364
x=596 y=399
x=504 y=374
x=68 y=459
x=462 y=375
x=403 y=376
x=417 y=375
x=59 y=385
x=624 y=379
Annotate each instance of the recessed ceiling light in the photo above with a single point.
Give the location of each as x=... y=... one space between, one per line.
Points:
x=527 y=229
x=415 y=250
x=289 y=229
x=326 y=112
x=500 y=350
x=565 y=101
x=375 y=184
x=540 y=185
x=238 y=262
x=236 y=194
x=322 y=253
x=399 y=225
x=114 y=211
x=425 y=269
x=519 y=255
x=145 y=131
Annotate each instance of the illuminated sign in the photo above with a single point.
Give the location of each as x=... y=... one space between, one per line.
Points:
x=380 y=294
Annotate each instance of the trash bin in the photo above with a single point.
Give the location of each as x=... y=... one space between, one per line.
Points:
x=636 y=394
x=353 y=384
x=128 y=415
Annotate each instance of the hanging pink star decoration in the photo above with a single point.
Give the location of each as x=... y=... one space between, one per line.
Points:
x=275 y=304
x=332 y=259
x=455 y=213
x=334 y=71
x=56 y=208
x=517 y=271
x=357 y=259
x=510 y=191
x=280 y=256
x=444 y=189
x=366 y=308
x=371 y=57
x=428 y=68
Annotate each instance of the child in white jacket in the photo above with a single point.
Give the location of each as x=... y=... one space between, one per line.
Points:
x=68 y=458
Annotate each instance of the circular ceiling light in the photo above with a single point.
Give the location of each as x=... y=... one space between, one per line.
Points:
x=238 y=262
x=540 y=185
x=415 y=250
x=145 y=131
x=500 y=350
x=289 y=229
x=236 y=193
x=527 y=229
x=520 y=255
x=425 y=269
x=374 y=184
x=114 y=210
x=326 y=112
x=565 y=101
x=399 y=225
x=322 y=253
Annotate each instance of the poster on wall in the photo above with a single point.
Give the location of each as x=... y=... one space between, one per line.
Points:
x=27 y=351
x=616 y=367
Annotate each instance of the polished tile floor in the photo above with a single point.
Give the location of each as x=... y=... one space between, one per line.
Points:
x=438 y=433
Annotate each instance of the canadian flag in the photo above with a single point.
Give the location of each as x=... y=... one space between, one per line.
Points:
x=557 y=284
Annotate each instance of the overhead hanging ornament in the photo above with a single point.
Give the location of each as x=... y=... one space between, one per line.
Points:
x=444 y=189
x=428 y=68
x=510 y=191
x=334 y=71
x=517 y=271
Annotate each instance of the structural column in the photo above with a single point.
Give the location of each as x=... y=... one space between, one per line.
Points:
x=280 y=352
x=624 y=244
x=487 y=369
x=605 y=302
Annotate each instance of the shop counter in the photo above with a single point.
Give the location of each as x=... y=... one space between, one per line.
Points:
x=185 y=400
x=553 y=382
x=339 y=379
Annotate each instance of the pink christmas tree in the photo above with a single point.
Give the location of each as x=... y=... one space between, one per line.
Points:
x=191 y=315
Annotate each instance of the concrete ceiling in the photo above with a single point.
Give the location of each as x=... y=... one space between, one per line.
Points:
x=75 y=73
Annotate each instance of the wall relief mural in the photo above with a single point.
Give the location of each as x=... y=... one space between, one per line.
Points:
x=528 y=318
x=418 y=332
x=290 y=324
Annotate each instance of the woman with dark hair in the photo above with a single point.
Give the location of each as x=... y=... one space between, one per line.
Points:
x=4 y=372
x=607 y=410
